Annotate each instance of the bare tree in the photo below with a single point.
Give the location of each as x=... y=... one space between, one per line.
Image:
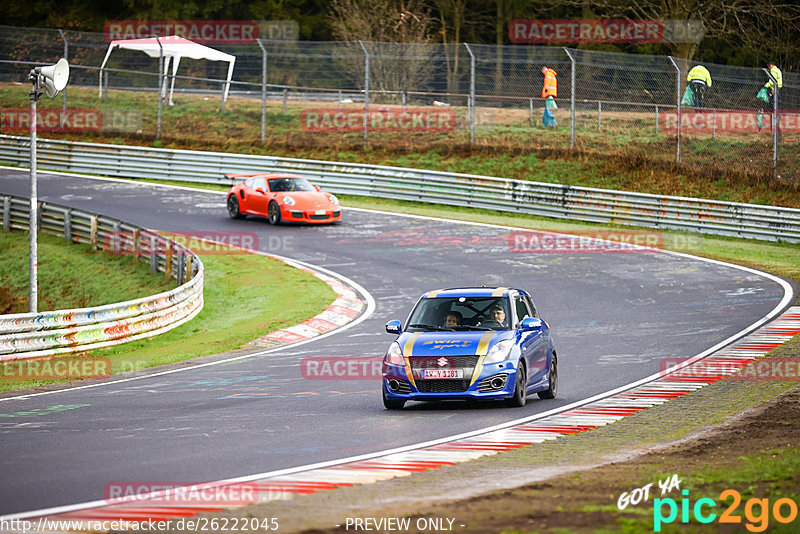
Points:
x=397 y=34
x=756 y=25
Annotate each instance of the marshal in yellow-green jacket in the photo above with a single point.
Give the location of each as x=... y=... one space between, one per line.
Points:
x=699 y=72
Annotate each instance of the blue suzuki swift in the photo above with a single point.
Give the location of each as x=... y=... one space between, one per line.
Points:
x=470 y=343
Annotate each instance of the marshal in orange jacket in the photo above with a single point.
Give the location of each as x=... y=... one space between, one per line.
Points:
x=550 y=85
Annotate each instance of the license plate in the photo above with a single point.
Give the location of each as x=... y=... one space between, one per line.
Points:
x=319 y=212
x=439 y=374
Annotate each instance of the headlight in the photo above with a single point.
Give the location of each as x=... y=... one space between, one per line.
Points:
x=394 y=355
x=333 y=199
x=289 y=201
x=500 y=352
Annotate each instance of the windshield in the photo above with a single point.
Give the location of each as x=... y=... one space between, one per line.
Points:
x=460 y=313
x=277 y=185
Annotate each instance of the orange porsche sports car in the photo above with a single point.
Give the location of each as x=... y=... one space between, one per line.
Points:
x=281 y=197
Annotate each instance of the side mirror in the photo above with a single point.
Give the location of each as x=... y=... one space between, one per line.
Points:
x=531 y=323
x=259 y=190
x=318 y=188
x=394 y=327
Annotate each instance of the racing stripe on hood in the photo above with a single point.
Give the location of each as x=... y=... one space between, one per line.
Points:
x=483 y=348
x=408 y=350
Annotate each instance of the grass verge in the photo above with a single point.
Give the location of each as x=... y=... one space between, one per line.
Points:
x=246 y=296
x=625 y=154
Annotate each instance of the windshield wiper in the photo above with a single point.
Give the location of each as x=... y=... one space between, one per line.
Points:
x=468 y=327
x=431 y=327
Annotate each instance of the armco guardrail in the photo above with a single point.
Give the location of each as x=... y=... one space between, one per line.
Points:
x=27 y=335
x=518 y=196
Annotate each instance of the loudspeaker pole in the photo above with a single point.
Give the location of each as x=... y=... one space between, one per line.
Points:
x=33 y=226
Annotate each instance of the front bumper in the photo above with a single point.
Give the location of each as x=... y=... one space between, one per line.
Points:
x=310 y=217
x=397 y=384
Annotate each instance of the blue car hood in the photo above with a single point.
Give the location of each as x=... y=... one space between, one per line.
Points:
x=450 y=343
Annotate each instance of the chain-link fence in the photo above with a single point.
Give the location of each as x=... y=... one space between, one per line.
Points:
x=407 y=95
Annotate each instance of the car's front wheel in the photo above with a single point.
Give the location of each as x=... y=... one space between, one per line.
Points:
x=552 y=382
x=520 y=394
x=274 y=213
x=233 y=208
x=390 y=403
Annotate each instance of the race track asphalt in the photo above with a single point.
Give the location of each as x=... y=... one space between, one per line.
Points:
x=614 y=317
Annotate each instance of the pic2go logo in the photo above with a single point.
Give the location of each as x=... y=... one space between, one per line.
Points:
x=756 y=511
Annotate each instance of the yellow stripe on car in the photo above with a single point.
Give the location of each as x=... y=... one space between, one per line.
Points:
x=483 y=348
x=408 y=351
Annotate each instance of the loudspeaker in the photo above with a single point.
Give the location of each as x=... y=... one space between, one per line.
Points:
x=54 y=78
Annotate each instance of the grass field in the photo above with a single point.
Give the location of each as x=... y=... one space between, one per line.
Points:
x=246 y=296
x=625 y=154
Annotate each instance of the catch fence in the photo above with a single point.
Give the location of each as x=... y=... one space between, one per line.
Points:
x=607 y=101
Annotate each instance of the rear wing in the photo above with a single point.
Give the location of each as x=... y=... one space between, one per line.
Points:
x=240 y=175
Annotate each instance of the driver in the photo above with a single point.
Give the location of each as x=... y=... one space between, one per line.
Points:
x=497 y=317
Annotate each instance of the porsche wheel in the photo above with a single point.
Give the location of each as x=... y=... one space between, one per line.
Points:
x=233 y=208
x=392 y=404
x=550 y=392
x=520 y=395
x=274 y=213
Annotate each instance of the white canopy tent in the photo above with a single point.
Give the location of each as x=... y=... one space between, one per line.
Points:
x=173 y=48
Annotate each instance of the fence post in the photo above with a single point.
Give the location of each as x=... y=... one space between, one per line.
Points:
x=530 y=112
x=366 y=90
x=160 y=75
x=656 y=119
x=680 y=117
x=571 y=101
x=775 y=124
x=599 y=115
x=64 y=90
x=263 y=91
x=285 y=98
x=471 y=96
x=105 y=86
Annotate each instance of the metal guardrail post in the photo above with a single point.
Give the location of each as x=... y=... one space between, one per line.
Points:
x=68 y=225
x=64 y=90
x=160 y=82
x=263 y=91
x=571 y=101
x=6 y=213
x=366 y=91
x=153 y=255
x=471 y=96
x=679 y=126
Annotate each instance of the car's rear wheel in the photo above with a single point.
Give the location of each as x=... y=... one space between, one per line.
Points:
x=274 y=213
x=552 y=389
x=392 y=404
x=233 y=208
x=520 y=394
